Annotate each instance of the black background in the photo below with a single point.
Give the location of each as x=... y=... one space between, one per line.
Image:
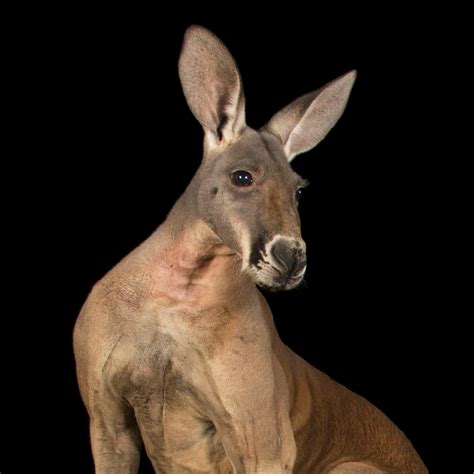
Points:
x=107 y=144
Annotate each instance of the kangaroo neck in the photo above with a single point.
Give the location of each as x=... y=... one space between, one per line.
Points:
x=187 y=263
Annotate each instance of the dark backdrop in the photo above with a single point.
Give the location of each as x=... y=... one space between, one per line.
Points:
x=111 y=145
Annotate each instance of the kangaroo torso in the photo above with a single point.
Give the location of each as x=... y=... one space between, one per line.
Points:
x=180 y=368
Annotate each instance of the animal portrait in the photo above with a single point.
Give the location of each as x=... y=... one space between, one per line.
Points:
x=177 y=354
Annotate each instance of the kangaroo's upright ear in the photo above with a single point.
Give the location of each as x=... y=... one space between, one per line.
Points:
x=305 y=122
x=212 y=85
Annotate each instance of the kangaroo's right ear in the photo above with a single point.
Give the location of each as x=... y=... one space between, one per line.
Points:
x=306 y=121
x=212 y=85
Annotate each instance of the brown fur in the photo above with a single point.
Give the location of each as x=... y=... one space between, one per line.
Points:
x=176 y=347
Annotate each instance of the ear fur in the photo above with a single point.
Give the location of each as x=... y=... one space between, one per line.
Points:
x=306 y=121
x=212 y=85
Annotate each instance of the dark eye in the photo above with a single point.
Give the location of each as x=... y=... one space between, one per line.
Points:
x=241 y=178
x=299 y=193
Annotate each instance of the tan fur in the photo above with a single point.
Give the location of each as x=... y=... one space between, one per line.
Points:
x=176 y=347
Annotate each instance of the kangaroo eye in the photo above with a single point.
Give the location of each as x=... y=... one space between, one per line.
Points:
x=299 y=193
x=241 y=178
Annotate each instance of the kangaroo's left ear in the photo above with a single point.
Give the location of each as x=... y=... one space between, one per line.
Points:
x=307 y=120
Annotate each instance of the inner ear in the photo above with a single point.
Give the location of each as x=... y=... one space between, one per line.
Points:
x=306 y=121
x=220 y=128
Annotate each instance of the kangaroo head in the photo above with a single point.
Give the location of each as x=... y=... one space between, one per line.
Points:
x=245 y=188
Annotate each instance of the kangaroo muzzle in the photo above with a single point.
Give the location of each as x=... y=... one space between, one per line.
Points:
x=280 y=263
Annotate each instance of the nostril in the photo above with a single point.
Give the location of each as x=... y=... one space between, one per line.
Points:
x=299 y=267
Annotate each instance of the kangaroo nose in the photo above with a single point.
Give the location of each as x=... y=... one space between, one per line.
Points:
x=289 y=256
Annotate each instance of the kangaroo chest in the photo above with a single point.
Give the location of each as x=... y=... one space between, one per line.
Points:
x=183 y=379
x=174 y=417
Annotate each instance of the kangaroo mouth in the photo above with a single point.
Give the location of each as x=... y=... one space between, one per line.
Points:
x=270 y=278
